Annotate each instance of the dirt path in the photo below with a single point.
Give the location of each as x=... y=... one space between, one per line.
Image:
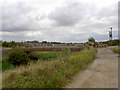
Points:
x=102 y=73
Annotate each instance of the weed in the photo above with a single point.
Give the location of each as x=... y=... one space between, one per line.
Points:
x=7 y=65
x=116 y=50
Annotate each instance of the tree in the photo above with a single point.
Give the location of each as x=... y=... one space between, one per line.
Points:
x=5 y=44
x=44 y=41
x=91 y=39
x=13 y=43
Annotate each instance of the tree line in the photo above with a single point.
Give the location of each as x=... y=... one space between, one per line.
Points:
x=12 y=44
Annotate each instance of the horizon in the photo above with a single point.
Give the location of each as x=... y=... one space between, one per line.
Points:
x=57 y=41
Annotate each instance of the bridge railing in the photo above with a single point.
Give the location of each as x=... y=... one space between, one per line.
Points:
x=51 y=49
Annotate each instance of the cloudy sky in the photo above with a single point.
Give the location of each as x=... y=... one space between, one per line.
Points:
x=58 y=20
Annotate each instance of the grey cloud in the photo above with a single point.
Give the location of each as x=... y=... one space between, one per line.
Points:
x=64 y=35
x=70 y=14
x=80 y=17
x=15 y=9
x=102 y=20
x=110 y=14
x=119 y=15
x=19 y=36
x=75 y=37
x=39 y=17
x=107 y=12
x=16 y=17
x=101 y=37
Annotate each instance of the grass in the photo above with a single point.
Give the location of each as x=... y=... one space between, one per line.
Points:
x=50 y=74
x=116 y=50
x=7 y=65
x=47 y=55
x=50 y=55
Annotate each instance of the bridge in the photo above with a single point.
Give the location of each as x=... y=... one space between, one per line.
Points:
x=52 y=49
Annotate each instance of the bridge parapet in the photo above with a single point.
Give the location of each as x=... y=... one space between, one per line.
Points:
x=52 y=49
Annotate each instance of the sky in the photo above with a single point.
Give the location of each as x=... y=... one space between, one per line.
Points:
x=58 y=20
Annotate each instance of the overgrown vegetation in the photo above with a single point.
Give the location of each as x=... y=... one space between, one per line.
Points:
x=7 y=65
x=115 y=42
x=116 y=50
x=88 y=47
x=33 y=56
x=91 y=39
x=18 y=57
x=49 y=74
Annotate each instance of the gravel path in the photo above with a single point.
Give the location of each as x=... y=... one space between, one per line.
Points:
x=102 y=73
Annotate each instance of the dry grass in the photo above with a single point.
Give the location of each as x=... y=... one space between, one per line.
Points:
x=116 y=50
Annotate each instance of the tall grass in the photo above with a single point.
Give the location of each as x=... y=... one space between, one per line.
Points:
x=116 y=50
x=50 y=74
x=7 y=65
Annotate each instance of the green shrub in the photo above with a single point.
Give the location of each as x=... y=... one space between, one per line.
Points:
x=91 y=39
x=116 y=50
x=66 y=51
x=18 y=56
x=33 y=56
x=7 y=65
x=88 y=47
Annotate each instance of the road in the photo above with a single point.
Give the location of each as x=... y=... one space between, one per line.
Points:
x=102 y=73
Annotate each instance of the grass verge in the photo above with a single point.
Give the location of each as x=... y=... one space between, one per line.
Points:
x=50 y=74
x=116 y=50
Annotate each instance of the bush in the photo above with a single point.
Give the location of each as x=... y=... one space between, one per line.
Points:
x=7 y=65
x=88 y=47
x=33 y=56
x=18 y=56
x=66 y=51
x=91 y=39
x=116 y=50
